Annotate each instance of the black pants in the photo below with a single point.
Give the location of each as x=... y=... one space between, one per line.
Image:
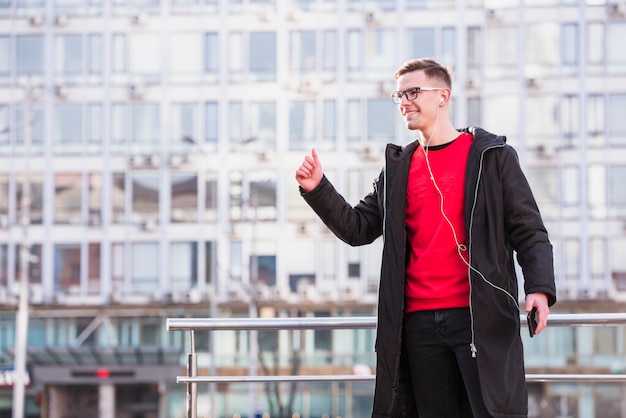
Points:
x=443 y=372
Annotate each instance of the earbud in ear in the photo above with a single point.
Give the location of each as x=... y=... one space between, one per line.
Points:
x=441 y=101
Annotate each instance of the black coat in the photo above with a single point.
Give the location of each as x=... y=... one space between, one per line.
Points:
x=501 y=218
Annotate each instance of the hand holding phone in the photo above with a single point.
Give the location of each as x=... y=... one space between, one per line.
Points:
x=532 y=321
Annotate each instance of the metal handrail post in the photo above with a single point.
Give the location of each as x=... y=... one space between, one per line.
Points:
x=192 y=386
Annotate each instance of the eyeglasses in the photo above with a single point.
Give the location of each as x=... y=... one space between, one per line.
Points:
x=411 y=94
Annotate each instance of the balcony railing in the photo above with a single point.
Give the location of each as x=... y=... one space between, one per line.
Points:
x=330 y=323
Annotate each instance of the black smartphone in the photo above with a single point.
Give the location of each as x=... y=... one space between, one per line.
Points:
x=532 y=321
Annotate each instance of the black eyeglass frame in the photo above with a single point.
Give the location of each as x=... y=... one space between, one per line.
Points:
x=397 y=96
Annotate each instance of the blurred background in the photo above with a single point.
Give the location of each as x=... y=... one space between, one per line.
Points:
x=147 y=158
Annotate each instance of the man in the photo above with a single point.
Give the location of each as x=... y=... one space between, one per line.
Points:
x=452 y=207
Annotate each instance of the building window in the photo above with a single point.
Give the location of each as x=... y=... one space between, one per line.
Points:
x=211 y=53
x=145 y=197
x=145 y=127
x=30 y=56
x=36 y=198
x=616 y=123
x=381 y=116
x=543 y=50
x=183 y=267
x=262 y=56
x=185 y=127
x=185 y=61
x=145 y=268
x=68 y=198
x=301 y=125
x=420 y=42
x=210 y=196
x=118 y=198
x=303 y=56
x=263 y=269
x=95 y=199
x=595 y=48
x=78 y=58
x=93 y=269
x=617 y=191
x=542 y=128
x=68 y=124
x=211 y=124
x=4 y=266
x=67 y=268
x=596 y=117
x=184 y=198
x=569 y=49
x=615 y=56
x=5 y=57
x=545 y=185
x=145 y=57
x=263 y=195
x=354 y=54
x=380 y=53
x=501 y=52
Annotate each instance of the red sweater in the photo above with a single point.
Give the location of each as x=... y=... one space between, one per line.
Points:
x=436 y=276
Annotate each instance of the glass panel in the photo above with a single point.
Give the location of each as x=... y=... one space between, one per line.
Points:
x=380 y=53
x=185 y=58
x=380 y=122
x=184 y=197
x=146 y=127
x=211 y=55
x=617 y=191
x=183 y=266
x=29 y=55
x=262 y=120
x=570 y=49
x=544 y=183
x=210 y=202
x=94 y=57
x=36 y=197
x=68 y=198
x=615 y=56
x=5 y=54
x=184 y=121
x=616 y=123
x=118 y=197
x=353 y=120
x=209 y=259
x=145 y=268
x=501 y=52
x=542 y=129
x=597 y=191
x=301 y=125
x=68 y=130
x=263 y=195
x=93 y=121
x=354 y=53
x=69 y=57
x=303 y=51
x=570 y=120
x=4 y=265
x=542 y=50
x=67 y=268
x=421 y=43
x=329 y=129
x=95 y=198
x=329 y=54
x=595 y=48
x=93 y=277
x=448 y=45
x=145 y=197
x=262 y=55
x=211 y=123
x=145 y=56
x=595 y=120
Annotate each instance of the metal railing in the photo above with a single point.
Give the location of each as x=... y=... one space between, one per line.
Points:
x=330 y=323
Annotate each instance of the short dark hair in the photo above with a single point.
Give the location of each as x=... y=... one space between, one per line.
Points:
x=431 y=68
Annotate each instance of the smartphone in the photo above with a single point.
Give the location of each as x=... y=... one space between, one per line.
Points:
x=531 y=319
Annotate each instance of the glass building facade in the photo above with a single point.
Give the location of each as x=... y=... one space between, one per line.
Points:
x=157 y=141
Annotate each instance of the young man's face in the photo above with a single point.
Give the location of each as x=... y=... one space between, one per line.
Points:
x=422 y=112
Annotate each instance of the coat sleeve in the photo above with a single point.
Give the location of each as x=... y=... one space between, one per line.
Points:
x=525 y=229
x=357 y=225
